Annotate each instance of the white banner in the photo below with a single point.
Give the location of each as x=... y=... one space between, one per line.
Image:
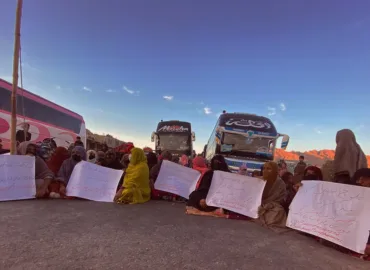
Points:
x=93 y=182
x=177 y=179
x=237 y=193
x=335 y=212
x=17 y=177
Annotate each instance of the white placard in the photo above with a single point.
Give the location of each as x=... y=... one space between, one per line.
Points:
x=238 y=193
x=17 y=177
x=177 y=179
x=335 y=212
x=93 y=182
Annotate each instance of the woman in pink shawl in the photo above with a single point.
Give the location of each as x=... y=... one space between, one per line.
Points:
x=43 y=175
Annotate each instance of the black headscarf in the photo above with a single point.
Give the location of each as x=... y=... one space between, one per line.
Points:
x=151 y=159
x=218 y=163
x=364 y=172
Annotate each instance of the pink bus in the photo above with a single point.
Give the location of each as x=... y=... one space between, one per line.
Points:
x=46 y=119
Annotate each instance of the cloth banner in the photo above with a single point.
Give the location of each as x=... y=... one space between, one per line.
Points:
x=17 y=177
x=93 y=182
x=238 y=193
x=335 y=212
x=177 y=179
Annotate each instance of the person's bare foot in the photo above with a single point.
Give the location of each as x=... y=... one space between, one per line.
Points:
x=118 y=195
x=203 y=203
x=40 y=192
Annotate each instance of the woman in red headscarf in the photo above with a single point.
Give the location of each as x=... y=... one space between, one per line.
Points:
x=56 y=160
x=57 y=189
x=199 y=164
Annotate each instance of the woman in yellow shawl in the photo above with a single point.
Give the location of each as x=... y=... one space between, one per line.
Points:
x=135 y=188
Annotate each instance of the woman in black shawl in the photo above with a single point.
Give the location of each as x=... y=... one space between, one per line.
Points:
x=197 y=198
x=111 y=161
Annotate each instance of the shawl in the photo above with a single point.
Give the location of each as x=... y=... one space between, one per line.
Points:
x=271 y=212
x=68 y=165
x=42 y=170
x=57 y=159
x=136 y=187
x=349 y=156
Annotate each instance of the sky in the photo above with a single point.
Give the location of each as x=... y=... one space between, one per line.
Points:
x=125 y=65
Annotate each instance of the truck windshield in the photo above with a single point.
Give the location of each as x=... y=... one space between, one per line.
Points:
x=175 y=142
x=239 y=143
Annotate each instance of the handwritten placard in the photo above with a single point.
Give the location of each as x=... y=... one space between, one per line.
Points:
x=17 y=177
x=237 y=193
x=177 y=179
x=335 y=212
x=93 y=182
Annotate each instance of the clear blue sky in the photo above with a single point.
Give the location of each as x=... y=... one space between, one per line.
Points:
x=243 y=56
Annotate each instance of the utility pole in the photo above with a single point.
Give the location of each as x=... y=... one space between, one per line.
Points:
x=17 y=41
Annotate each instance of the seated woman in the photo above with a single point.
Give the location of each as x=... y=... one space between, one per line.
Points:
x=57 y=159
x=92 y=156
x=288 y=179
x=199 y=164
x=256 y=173
x=312 y=173
x=100 y=158
x=43 y=175
x=111 y=161
x=348 y=158
x=271 y=211
x=125 y=161
x=283 y=167
x=154 y=172
x=135 y=187
x=362 y=178
x=55 y=163
x=151 y=159
x=197 y=199
x=77 y=155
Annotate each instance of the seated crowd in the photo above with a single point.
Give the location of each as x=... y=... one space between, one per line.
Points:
x=141 y=170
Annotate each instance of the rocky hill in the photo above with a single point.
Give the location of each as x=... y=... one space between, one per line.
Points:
x=105 y=138
x=314 y=157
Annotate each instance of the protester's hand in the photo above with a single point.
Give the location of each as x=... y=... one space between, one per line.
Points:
x=151 y=183
x=297 y=186
x=118 y=194
x=203 y=204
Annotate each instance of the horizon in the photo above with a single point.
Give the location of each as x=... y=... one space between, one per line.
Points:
x=126 y=65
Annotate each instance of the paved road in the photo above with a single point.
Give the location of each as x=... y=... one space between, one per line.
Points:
x=157 y=235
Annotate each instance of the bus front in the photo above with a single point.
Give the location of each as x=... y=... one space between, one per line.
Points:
x=174 y=136
x=245 y=139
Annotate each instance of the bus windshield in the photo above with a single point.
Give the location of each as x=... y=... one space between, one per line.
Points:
x=232 y=143
x=175 y=142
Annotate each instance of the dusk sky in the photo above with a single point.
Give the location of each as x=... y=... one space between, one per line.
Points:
x=125 y=65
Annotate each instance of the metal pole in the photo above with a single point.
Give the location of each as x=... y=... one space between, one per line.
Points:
x=13 y=146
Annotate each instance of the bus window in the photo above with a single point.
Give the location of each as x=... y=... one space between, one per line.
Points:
x=40 y=112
